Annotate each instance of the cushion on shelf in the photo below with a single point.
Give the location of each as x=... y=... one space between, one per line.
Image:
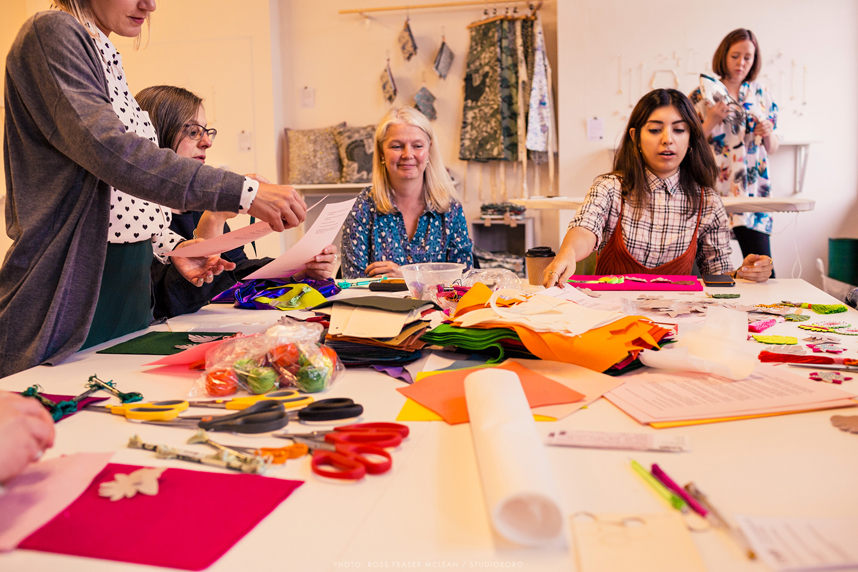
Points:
x=311 y=156
x=356 y=148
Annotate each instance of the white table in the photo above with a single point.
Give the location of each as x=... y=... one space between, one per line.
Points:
x=731 y=204
x=429 y=509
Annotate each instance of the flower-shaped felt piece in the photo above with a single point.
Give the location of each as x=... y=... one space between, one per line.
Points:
x=820 y=339
x=831 y=324
x=829 y=377
x=826 y=348
x=785 y=340
x=848 y=423
x=846 y=331
x=144 y=481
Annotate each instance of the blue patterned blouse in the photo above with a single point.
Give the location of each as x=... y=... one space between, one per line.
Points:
x=369 y=236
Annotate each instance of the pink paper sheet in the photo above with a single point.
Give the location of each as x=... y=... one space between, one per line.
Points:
x=192 y=521
x=188 y=356
x=42 y=491
x=630 y=285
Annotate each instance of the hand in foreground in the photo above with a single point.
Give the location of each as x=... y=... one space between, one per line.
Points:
x=322 y=265
x=383 y=267
x=200 y=269
x=26 y=429
x=756 y=268
x=764 y=128
x=279 y=205
x=560 y=269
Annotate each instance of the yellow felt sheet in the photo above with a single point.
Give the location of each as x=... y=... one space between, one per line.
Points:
x=413 y=411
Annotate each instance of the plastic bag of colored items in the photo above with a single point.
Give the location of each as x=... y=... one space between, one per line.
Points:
x=286 y=355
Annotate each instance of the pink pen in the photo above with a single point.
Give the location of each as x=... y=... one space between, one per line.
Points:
x=659 y=474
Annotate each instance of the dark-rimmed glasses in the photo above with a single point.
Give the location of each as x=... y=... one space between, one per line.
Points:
x=195 y=131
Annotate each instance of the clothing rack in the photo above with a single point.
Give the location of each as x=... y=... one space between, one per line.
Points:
x=484 y=3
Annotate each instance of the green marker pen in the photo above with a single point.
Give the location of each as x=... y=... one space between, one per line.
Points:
x=674 y=500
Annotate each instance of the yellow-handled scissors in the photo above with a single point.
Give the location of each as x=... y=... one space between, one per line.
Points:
x=154 y=411
x=290 y=399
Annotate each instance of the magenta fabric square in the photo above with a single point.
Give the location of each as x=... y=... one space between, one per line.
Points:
x=579 y=281
x=192 y=521
x=56 y=398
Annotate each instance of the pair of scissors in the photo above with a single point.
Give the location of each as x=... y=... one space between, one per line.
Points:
x=288 y=397
x=278 y=455
x=154 y=411
x=260 y=417
x=352 y=450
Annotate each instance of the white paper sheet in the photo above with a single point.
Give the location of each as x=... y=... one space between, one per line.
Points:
x=793 y=544
x=320 y=235
x=652 y=397
x=225 y=242
x=518 y=484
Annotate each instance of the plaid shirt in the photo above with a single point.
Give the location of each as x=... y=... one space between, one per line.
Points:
x=660 y=232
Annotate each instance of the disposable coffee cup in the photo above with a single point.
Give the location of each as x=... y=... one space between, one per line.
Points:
x=538 y=259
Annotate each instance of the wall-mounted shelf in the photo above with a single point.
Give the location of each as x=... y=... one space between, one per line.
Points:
x=801 y=153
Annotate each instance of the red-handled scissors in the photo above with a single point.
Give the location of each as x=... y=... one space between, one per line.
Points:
x=351 y=450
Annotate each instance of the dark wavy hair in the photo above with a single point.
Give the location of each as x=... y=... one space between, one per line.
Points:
x=719 y=60
x=169 y=109
x=697 y=170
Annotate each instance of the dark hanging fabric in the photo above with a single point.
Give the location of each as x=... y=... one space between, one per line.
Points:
x=482 y=137
x=509 y=90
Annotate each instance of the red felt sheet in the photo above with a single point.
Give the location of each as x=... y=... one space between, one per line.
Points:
x=192 y=521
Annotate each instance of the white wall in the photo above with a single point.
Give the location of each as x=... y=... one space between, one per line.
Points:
x=341 y=57
x=820 y=35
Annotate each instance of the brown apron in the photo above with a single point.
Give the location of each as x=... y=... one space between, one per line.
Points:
x=615 y=257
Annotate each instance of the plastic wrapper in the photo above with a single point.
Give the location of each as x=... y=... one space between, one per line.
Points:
x=494 y=278
x=287 y=355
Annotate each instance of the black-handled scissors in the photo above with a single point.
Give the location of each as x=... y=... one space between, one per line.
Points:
x=268 y=415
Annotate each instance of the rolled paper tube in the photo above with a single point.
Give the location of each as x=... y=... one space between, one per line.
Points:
x=519 y=488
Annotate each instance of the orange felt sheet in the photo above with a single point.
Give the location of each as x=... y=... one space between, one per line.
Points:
x=598 y=349
x=444 y=393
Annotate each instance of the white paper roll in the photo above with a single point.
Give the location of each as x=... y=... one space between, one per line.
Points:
x=518 y=484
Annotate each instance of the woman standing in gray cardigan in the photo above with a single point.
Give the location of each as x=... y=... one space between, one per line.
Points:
x=77 y=273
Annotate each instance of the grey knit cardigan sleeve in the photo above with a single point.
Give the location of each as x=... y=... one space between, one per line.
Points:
x=63 y=147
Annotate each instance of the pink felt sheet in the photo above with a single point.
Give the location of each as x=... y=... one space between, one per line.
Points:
x=629 y=285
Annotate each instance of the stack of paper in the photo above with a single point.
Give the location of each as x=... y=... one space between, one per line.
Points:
x=690 y=398
x=374 y=330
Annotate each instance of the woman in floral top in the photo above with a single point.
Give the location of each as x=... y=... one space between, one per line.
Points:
x=410 y=213
x=741 y=151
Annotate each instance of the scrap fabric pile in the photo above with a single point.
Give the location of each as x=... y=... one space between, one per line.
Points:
x=547 y=328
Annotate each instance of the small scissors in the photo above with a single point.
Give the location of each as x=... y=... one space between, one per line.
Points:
x=278 y=455
x=154 y=411
x=289 y=397
x=350 y=449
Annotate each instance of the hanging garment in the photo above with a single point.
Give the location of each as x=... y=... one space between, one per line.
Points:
x=388 y=86
x=481 y=137
x=539 y=117
x=406 y=42
x=424 y=101
x=509 y=90
x=443 y=61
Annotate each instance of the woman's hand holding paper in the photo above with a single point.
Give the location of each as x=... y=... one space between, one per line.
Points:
x=200 y=269
x=279 y=205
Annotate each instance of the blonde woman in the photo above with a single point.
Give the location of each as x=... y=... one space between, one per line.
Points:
x=85 y=181
x=410 y=213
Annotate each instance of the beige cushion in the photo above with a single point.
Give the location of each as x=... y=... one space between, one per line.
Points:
x=312 y=156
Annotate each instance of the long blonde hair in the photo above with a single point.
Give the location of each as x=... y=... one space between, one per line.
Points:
x=82 y=11
x=438 y=190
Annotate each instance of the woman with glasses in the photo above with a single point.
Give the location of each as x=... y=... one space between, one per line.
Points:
x=85 y=181
x=179 y=120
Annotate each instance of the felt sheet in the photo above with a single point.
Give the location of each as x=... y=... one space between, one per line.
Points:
x=158 y=343
x=630 y=285
x=189 y=524
x=44 y=489
x=84 y=402
x=444 y=393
